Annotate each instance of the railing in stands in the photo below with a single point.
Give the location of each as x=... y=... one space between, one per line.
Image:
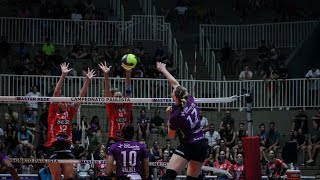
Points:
x=290 y=93
x=147 y=7
x=283 y=35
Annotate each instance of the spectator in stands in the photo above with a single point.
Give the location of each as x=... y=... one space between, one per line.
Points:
x=143 y=123
x=95 y=126
x=11 y=116
x=84 y=123
x=28 y=65
x=39 y=63
x=222 y=163
x=224 y=148
x=48 y=47
x=94 y=52
x=24 y=12
x=92 y=174
x=21 y=50
x=10 y=140
x=300 y=121
x=166 y=158
x=155 y=150
x=227 y=119
x=213 y=138
x=313 y=85
x=270 y=76
x=168 y=148
x=239 y=59
x=78 y=150
x=181 y=10
x=204 y=122
x=314 y=142
x=302 y=144
x=246 y=74
x=230 y=136
x=237 y=149
x=43 y=122
x=157 y=123
x=33 y=104
x=275 y=167
x=83 y=169
x=272 y=138
x=78 y=52
x=76 y=16
x=76 y=133
x=283 y=72
x=26 y=140
x=55 y=60
x=273 y=55
x=29 y=119
x=263 y=139
x=44 y=173
x=241 y=133
x=226 y=58
x=4 y=48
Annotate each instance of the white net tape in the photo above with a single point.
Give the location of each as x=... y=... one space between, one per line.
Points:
x=110 y=99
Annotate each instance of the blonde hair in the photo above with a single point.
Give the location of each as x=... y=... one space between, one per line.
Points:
x=182 y=95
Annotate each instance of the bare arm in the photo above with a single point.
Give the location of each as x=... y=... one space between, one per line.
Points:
x=10 y=168
x=64 y=72
x=105 y=69
x=110 y=160
x=128 y=83
x=171 y=133
x=162 y=68
x=89 y=75
x=145 y=165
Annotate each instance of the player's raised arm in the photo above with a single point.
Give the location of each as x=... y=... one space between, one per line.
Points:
x=162 y=68
x=128 y=84
x=64 y=72
x=105 y=69
x=89 y=75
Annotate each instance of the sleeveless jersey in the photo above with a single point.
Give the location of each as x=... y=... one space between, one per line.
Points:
x=238 y=171
x=274 y=168
x=118 y=117
x=59 y=124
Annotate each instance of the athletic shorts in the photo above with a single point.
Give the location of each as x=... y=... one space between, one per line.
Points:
x=60 y=150
x=193 y=151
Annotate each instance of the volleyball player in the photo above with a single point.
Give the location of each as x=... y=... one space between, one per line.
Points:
x=5 y=164
x=184 y=117
x=60 y=118
x=119 y=114
x=131 y=157
x=275 y=167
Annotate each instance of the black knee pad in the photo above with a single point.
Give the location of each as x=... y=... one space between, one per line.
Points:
x=191 y=178
x=169 y=175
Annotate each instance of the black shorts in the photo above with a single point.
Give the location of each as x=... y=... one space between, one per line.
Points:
x=60 y=150
x=193 y=151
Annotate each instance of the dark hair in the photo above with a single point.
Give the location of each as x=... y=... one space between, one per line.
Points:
x=114 y=90
x=241 y=124
x=262 y=124
x=128 y=132
x=182 y=94
x=272 y=123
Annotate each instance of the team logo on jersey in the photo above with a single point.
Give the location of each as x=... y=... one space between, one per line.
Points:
x=62 y=122
x=121 y=119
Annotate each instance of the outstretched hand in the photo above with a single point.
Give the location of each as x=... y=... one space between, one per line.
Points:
x=103 y=66
x=65 y=68
x=90 y=73
x=161 y=66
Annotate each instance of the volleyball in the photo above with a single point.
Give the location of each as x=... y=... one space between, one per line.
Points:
x=129 y=61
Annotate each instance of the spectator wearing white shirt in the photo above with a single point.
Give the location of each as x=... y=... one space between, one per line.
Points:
x=313 y=85
x=213 y=139
x=204 y=122
x=83 y=169
x=76 y=16
x=246 y=74
x=33 y=104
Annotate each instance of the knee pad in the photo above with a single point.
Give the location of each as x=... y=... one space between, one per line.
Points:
x=169 y=175
x=191 y=178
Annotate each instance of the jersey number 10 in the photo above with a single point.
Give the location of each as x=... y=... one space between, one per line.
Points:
x=132 y=158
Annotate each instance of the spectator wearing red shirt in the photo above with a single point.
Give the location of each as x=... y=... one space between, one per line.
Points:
x=223 y=164
x=275 y=168
x=237 y=169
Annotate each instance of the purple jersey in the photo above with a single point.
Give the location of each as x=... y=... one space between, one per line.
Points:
x=129 y=156
x=3 y=157
x=186 y=121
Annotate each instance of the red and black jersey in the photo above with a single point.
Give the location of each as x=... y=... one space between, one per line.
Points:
x=274 y=168
x=118 y=117
x=59 y=124
x=238 y=172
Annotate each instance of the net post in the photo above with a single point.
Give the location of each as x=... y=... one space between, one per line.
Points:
x=249 y=100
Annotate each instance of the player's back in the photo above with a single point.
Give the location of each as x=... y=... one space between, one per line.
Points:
x=129 y=156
